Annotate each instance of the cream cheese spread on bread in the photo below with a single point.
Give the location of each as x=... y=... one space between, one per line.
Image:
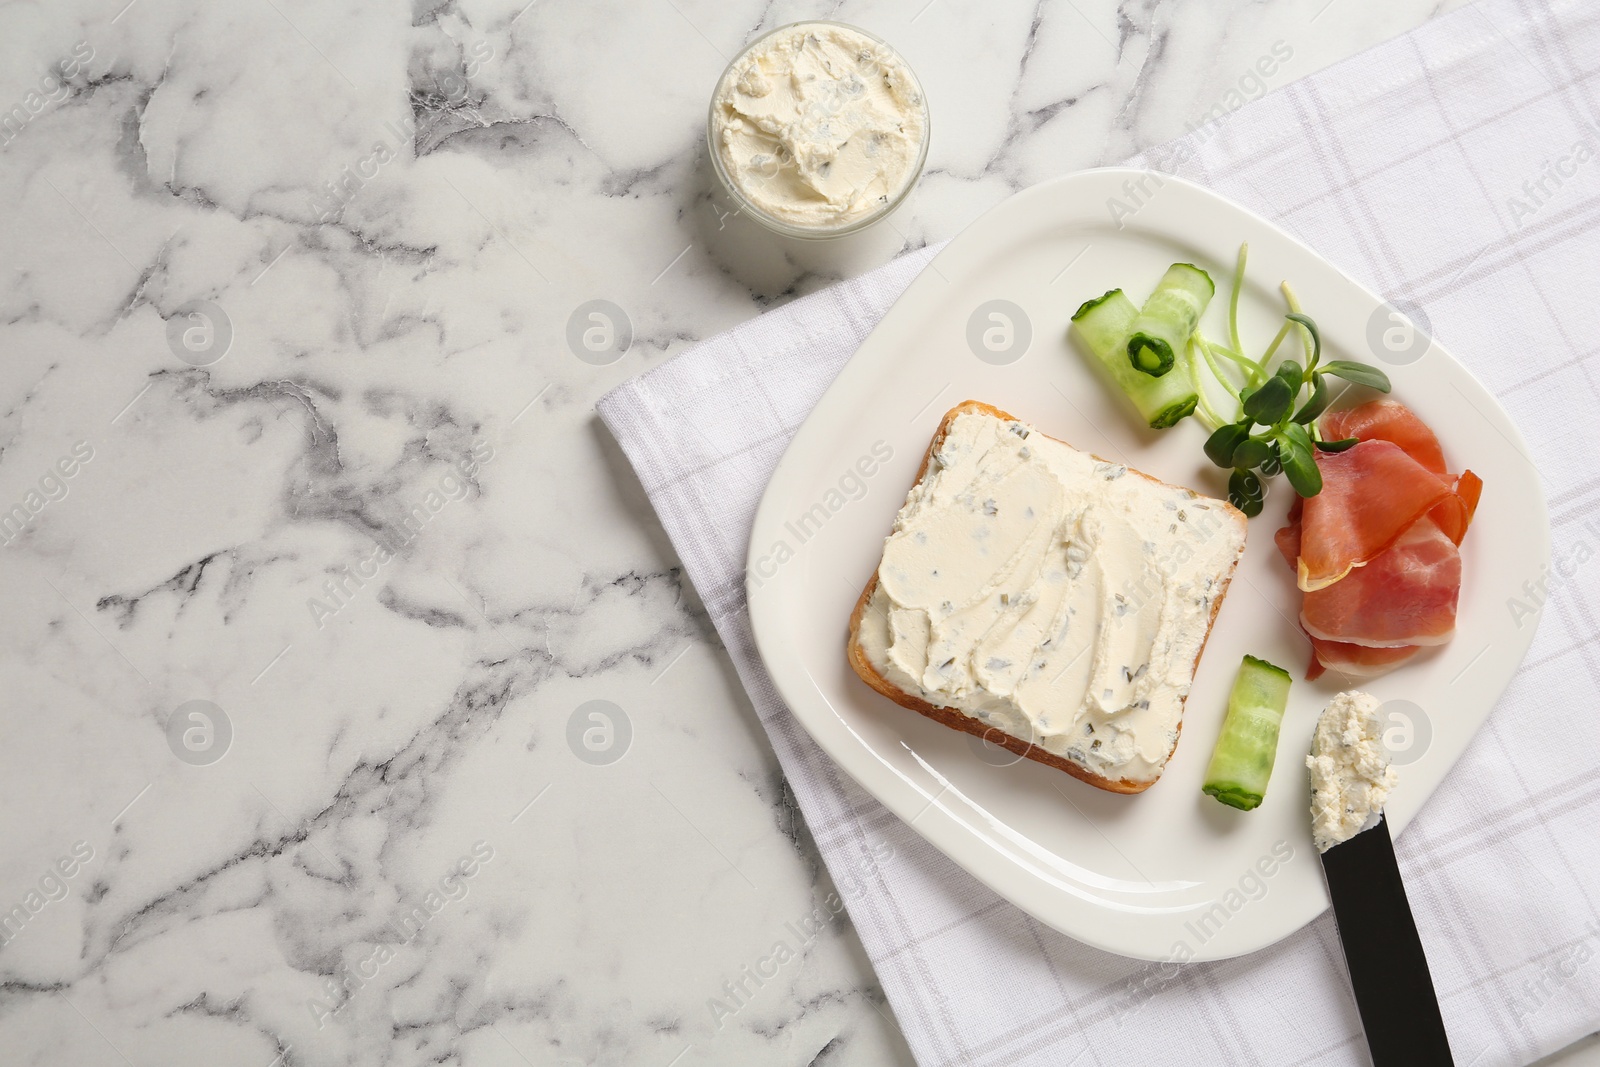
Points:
x=1350 y=773
x=1052 y=595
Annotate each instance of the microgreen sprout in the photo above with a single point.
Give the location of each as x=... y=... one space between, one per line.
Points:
x=1276 y=428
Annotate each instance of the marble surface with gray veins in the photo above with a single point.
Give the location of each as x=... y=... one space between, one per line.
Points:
x=316 y=560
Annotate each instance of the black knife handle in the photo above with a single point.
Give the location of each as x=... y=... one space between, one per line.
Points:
x=1388 y=969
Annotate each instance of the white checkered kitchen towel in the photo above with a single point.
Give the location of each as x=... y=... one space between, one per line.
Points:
x=1457 y=168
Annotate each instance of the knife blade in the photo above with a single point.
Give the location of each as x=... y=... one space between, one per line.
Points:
x=1388 y=968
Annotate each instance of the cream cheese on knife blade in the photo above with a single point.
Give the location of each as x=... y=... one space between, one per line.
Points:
x=1351 y=777
x=1056 y=596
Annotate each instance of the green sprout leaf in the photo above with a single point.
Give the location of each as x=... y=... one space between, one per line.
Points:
x=1320 y=399
x=1311 y=328
x=1251 y=453
x=1358 y=374
x=1338 y=446
x=1246 y=492
x=1299 y=463
x=1269 y=404
x=1272 y=464
x=1222 y=444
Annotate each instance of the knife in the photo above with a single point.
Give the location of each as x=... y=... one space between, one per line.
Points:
x=1388 y=969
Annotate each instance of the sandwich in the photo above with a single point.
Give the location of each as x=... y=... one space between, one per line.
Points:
x=1045 y=599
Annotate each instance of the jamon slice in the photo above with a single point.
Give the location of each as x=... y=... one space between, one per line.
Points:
x=1288 y=538
x=1392 y=421
x=1454 y=513
x=1381 y=567
x=1349 y=659
x=1405 y=596
x=1355 y=661
x=1371 y=494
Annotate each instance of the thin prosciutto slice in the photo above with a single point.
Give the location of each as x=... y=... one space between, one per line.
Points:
x=1371 y=494
x=1377 y=549
x=1355 y=661
x=1405 y=596
x=1392 y=421
x=1454 y=513
x=1404 y=599
x=1339 y=655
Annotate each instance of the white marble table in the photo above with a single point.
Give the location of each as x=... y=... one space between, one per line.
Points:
x=366 y=517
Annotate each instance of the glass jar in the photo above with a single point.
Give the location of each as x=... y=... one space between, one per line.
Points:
x=792 y=193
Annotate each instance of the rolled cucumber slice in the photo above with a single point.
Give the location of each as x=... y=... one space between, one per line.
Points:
x=1103 y=325
x=1161 y=332
x=1241 y=764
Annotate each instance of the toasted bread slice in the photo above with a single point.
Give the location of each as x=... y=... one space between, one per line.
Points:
x=960 y=720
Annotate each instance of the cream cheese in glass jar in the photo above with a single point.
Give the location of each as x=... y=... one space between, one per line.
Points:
x=818 y=129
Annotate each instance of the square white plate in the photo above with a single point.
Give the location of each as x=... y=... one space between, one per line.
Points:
x=1169 y=873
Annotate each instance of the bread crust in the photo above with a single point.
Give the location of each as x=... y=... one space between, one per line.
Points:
x=958 y=720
